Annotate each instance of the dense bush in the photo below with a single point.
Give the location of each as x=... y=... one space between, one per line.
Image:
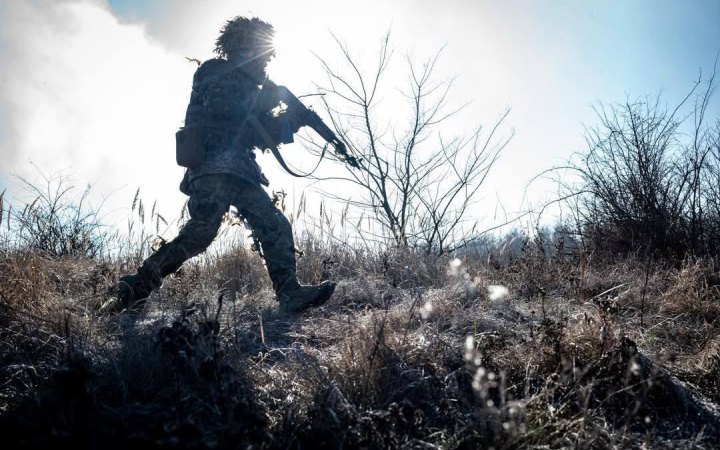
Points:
x=649 y=178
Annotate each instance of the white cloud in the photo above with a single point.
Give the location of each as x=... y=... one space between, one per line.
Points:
x=82 y=92
x=81 y=89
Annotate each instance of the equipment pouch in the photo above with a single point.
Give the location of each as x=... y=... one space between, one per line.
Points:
x=190 y=146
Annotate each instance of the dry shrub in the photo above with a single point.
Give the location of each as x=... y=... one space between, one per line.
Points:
x=47 y=288
x=708 y=369
x=533 y=266
x=397 y=266
x=689 y=311
x=26 y=281
x=382 y=381
x=46 y=311
x=692 y=296
x=362 y=360
x=152 y=384
x=595 y=389
x=238 y=269
x=627 y=277
x=363 y=292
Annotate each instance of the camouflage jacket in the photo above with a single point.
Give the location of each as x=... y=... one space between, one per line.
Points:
x=222 y=99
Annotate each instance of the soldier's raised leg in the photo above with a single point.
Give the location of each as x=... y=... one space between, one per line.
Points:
x=210 y=198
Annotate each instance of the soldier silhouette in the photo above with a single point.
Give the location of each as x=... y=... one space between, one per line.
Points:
x=233 y=111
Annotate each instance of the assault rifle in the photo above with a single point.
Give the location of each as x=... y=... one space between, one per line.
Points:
x=299 y=113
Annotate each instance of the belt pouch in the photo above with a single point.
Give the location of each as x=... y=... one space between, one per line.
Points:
x=190 y=146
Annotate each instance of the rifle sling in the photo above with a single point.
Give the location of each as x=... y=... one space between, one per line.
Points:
x=278 y=156
x=276 y=153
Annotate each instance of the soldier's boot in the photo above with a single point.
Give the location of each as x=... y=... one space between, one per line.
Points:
x=274 y=233
x=131 y=294
x=294 y=297
x=132 y=291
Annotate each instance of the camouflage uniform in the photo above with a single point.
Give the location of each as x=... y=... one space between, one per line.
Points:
x=222 y=98
x=210 y=198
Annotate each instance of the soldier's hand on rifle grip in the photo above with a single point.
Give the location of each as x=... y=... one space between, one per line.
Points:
x=341 y=150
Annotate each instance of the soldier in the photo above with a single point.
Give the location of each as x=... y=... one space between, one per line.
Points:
x=230 y=115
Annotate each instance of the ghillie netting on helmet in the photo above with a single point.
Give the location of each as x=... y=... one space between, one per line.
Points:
x=241 y=33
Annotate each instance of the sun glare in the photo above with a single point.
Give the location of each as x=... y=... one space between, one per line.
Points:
x=286 y=52
x=281 y=42
x=294 y=64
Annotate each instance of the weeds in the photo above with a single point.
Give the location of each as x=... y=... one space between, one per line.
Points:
x=534 y=347
x=51 y=224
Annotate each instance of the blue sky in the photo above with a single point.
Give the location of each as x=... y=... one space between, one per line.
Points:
x=550 y=61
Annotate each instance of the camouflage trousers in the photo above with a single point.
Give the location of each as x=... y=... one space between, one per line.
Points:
x=210 y=198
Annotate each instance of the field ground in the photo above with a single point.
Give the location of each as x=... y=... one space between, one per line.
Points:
x=412 y=352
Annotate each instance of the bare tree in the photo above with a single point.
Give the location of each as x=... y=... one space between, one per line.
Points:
x=417 y=184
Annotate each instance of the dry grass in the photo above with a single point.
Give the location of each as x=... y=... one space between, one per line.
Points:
x=411 y=352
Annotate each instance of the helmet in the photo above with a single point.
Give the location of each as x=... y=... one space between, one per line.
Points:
x=241 y=33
